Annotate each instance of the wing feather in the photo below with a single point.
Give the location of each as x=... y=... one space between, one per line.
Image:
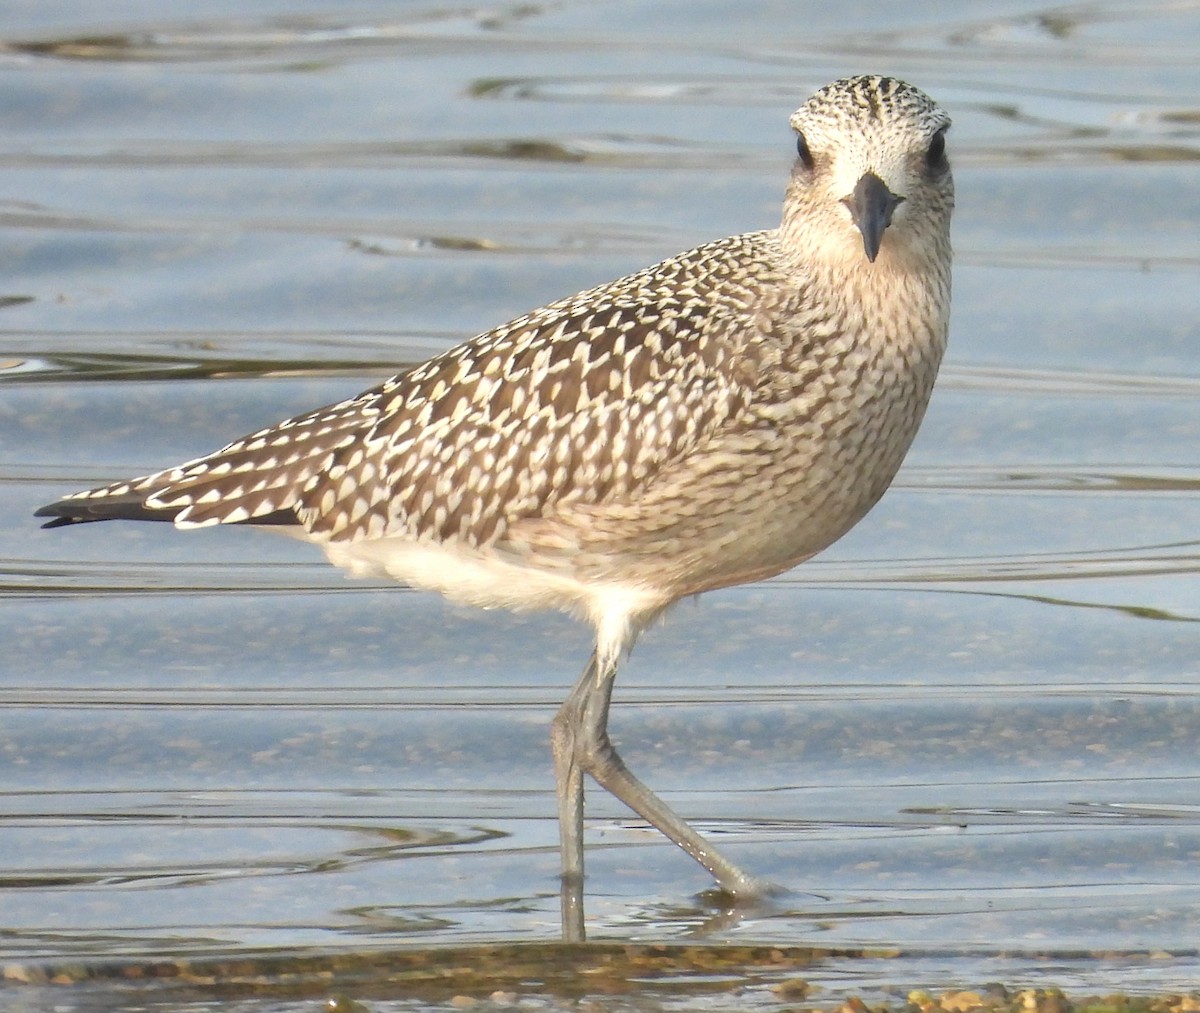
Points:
x=583 y=400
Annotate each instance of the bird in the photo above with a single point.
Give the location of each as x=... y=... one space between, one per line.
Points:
x=714 y=419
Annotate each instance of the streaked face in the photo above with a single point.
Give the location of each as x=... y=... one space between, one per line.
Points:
x=871 y=172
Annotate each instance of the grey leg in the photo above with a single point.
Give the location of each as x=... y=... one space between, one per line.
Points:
x=581 y=744
x=568 y=778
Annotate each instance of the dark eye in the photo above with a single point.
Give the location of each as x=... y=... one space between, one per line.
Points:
x=806 y=158
x=935 y=157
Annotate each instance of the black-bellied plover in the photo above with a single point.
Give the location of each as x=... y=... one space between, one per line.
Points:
x=714 y=419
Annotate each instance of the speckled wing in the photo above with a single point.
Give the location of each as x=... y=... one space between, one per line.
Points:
x=584 y=399
x=253 y=480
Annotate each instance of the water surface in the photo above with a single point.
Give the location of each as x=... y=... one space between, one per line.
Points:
x=965 y=736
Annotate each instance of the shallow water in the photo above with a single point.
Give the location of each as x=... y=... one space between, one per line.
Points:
x=965 y=736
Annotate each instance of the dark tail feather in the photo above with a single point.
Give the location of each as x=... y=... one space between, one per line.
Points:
x=116 y=508
x=129 y=508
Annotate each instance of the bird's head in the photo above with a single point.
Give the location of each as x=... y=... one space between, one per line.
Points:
x=871 y=178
